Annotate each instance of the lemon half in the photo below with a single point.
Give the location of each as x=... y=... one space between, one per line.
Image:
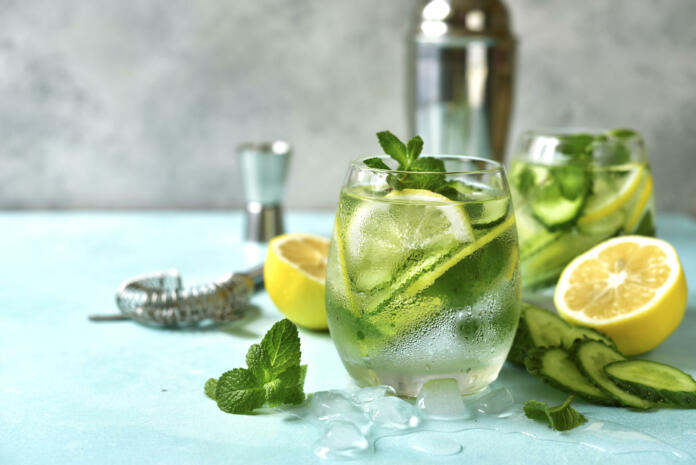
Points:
x=631 y=288
x=294 y=275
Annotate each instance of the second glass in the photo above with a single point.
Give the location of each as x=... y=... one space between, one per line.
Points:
x=572 y=190
x=424 y=284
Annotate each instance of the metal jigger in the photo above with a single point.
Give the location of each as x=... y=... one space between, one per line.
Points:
x=264 y=168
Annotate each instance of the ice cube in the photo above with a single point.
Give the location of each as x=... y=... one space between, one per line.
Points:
x=441 y=398
x=393 y=413
x=337 y=405
x=341 y=439
x=496 y=402
x=371 y=393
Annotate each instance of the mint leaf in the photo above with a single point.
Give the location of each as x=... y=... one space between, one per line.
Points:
x=257 y=361
x=561 y=418
x=393 y=147
x=376 y=162
x=274 y=375
x=210 y=387
x=282 y=344
x=414 y=148
x=285 y=387
x=238 y=391
x=431 y=181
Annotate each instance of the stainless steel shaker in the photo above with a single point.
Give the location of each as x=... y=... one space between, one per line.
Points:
x=460 y=77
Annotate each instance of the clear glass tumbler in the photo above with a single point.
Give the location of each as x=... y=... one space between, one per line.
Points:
x=572 y=190
x=423 y=276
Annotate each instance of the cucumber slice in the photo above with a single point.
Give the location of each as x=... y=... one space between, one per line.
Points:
x=580 y=332
x=654 y=381
x=591 y=357
x=552 y=208
x=554 y=366
x=493 y=212
x=532 y=234
x=539 y=327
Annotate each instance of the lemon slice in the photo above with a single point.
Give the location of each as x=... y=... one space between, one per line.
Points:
x=382 y=237
x=630 y=288
x=602 y=204
x=642 y=202
x=294 y=275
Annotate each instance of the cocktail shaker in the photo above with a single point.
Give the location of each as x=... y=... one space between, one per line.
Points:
x=460 y=77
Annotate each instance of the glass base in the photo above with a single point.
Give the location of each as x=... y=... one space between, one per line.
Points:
x=408 y=384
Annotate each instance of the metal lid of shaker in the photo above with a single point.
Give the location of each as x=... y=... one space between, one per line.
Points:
x=440 y=20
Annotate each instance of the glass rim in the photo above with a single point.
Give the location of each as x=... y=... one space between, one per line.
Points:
x=557 y=132
x=496 y=167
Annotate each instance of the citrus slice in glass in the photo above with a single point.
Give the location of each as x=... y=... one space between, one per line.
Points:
x=609 y=195
x=630 y=288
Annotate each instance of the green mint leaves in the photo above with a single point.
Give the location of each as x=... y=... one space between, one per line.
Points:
x=407 y=157
x=561 y=418
x=273 y=375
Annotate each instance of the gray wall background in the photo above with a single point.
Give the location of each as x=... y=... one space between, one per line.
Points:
x=140 y=103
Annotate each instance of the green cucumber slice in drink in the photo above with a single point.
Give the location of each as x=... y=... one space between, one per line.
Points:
x=553 y=209
x=555 y=367
x=654 y=381
x=591 y=357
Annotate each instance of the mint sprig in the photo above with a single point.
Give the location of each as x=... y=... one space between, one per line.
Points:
x=561 y=418
x=425 y=169
x=273 y=375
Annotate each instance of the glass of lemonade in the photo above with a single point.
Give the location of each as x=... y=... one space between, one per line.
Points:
x=424 y=284
x=573 y=190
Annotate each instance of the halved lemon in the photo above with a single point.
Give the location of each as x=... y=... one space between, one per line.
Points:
x=294 y=275
x=631 y=288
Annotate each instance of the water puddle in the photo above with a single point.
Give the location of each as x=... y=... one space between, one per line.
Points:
x=356 y=423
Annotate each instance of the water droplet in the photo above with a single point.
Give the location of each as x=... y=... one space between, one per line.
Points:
x=434 y=444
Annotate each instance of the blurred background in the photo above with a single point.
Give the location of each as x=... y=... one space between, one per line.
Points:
x=141 y=103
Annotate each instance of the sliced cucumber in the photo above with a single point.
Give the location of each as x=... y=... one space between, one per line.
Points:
x=532 y=234
x=554 y=366
x=492 y=213
x=539 y=327
x=552 y=208
x=580 y=332
x=591 y=357
x=654 y=381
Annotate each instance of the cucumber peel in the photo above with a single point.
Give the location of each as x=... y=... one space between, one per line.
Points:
x=591 y=357
x=539 y=327
x=555 y=367
x=654 y=381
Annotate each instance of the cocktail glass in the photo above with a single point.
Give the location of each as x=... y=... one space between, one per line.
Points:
x=573 y=190
x=424 y=284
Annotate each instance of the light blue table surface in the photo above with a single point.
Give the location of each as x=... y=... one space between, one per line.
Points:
x=77 y=392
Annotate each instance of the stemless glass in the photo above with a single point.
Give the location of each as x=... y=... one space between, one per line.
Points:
x=572 y=190
x=423 y=276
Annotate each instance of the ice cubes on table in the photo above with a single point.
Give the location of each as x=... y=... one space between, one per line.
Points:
x=341 y=439
x=338 y=405
x=441 y=398
x=496 y=402
x=371 y=393
x=392 y=413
